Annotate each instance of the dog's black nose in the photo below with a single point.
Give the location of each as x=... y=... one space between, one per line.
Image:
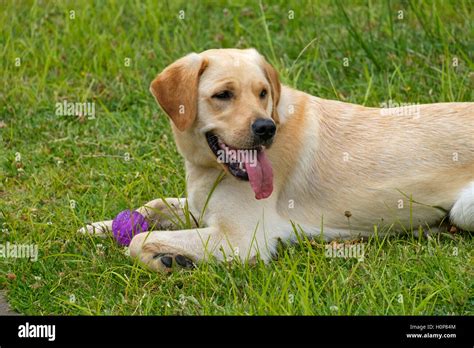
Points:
x=264 y=128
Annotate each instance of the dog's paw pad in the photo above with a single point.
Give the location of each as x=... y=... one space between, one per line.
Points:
x=166 y=261
x=183 y=261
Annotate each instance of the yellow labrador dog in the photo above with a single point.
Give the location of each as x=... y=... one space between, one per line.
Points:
x=334 y=169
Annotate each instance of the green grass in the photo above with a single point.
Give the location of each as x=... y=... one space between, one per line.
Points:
x=65 y=158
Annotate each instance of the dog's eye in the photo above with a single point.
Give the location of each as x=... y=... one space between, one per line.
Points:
x=263 y=93
x=225 y=95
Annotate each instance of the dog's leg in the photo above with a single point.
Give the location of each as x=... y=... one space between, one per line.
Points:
x=462 y=212
x=161 y=215
x=165 y=250
x=168 y=214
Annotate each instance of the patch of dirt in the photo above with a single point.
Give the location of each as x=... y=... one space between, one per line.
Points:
x=4 y=306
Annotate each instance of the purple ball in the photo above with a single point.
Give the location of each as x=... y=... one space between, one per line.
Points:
x=127 y=224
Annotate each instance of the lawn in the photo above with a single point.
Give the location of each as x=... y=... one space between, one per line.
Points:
x=58 y=172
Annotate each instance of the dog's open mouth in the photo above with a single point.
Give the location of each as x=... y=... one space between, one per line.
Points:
x=249 y=164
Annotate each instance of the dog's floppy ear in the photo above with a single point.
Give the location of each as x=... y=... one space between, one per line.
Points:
x=176 y=89
x=272 y=76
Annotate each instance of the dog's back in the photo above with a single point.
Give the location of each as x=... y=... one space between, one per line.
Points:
x=369 y=163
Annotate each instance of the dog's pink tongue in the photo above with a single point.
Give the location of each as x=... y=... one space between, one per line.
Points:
x=260 y=175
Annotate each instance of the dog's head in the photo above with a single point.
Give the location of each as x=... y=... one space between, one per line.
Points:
x=223 y=107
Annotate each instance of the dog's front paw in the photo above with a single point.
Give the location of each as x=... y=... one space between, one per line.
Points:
x=159 y=257
x=97 y=229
